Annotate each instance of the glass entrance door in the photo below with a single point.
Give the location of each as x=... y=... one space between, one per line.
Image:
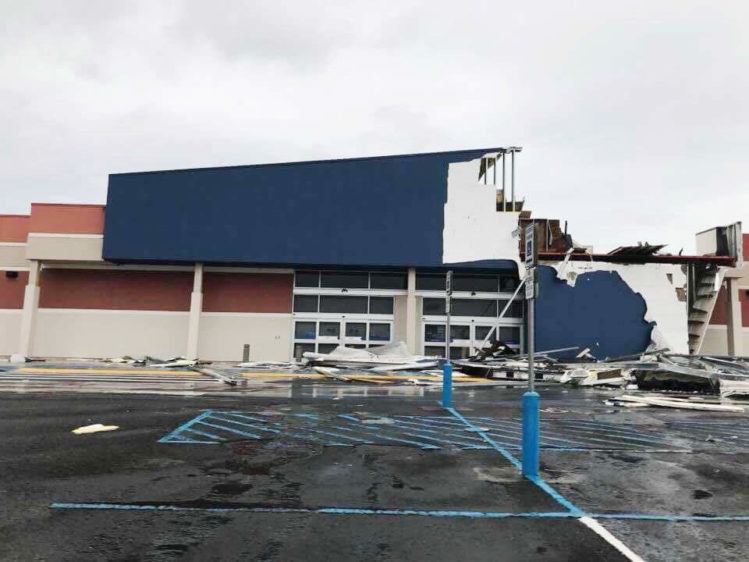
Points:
x=323 y=336
x=466 y=338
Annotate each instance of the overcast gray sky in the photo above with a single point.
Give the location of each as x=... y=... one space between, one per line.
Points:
x=633 y=116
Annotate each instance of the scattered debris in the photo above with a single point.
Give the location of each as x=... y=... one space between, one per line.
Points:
x=269 y=365
x=94 y=428
x=499 y=363
x=379 y=421
x=126 y=360
x=390 y=357
x=612 y=377
x=223 y=377
x=173 y=362
x=736 y=389
x=680 y=403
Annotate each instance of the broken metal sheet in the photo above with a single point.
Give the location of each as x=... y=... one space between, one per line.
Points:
x=604 y=377
x=735 y=389
x=218 y=375
x=678 y=403
x=169 y=363
x=125 y=360
x=640 y=250
x=268 y=365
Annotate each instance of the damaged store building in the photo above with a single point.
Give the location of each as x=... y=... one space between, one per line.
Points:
x=297 y=257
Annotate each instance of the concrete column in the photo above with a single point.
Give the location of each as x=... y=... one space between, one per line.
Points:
x=411 y=311
x=30 y=304
x=733 y=317
x=196 y=307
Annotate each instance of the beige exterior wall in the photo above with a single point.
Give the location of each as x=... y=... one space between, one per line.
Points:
x=417 y=321
x=716 y=340
x=10 y=328
x=108 y=333
x=400 y=318
x=12 y=255
x=65 y=247
x=223 y=335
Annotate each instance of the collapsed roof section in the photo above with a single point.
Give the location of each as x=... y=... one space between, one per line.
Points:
x=554 y=243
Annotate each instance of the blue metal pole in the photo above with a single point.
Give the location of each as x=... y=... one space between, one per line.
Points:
x=531 y=400
x=447 y=385
x=531 y=429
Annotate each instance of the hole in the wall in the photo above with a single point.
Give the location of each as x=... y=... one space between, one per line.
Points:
x=11 y=274
x=670 y=277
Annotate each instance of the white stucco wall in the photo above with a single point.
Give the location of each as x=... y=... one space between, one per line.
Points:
x=474 y=230
x=108 y=333
x=223 y=335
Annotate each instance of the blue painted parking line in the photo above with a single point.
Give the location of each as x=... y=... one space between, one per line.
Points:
x=463 y=441
x=213 y=438
x=439 y=431
x=177 y=436
x=506 y=454
x=364 y=428
x=400 y=512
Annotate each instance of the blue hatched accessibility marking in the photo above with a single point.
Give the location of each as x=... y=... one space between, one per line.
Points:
x=732 y=433
x=426 y=432
x=579 y=434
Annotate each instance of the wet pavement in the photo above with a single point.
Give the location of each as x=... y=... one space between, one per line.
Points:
x=291 y=493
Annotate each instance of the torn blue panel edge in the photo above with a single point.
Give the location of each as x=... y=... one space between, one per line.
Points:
x=600 y=312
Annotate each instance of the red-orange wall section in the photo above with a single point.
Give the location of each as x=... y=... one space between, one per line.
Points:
x=12 y=289
x=163 y=290
x=247 y=292
x=115 y=290
x=719 y=312
x=67 y=219
x=14 y=228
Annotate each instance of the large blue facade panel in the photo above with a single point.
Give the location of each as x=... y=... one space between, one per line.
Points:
x=600 y=312
x=384 y=211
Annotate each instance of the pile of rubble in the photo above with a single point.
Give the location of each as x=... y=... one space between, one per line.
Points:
x=658 y=370
x=385 y=364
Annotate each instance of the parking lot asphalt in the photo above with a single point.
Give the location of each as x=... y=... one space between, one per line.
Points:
x=314 y=485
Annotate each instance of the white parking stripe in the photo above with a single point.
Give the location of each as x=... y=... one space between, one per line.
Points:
x=602 y=532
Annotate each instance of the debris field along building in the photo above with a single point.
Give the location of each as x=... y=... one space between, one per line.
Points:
x=295 y=257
